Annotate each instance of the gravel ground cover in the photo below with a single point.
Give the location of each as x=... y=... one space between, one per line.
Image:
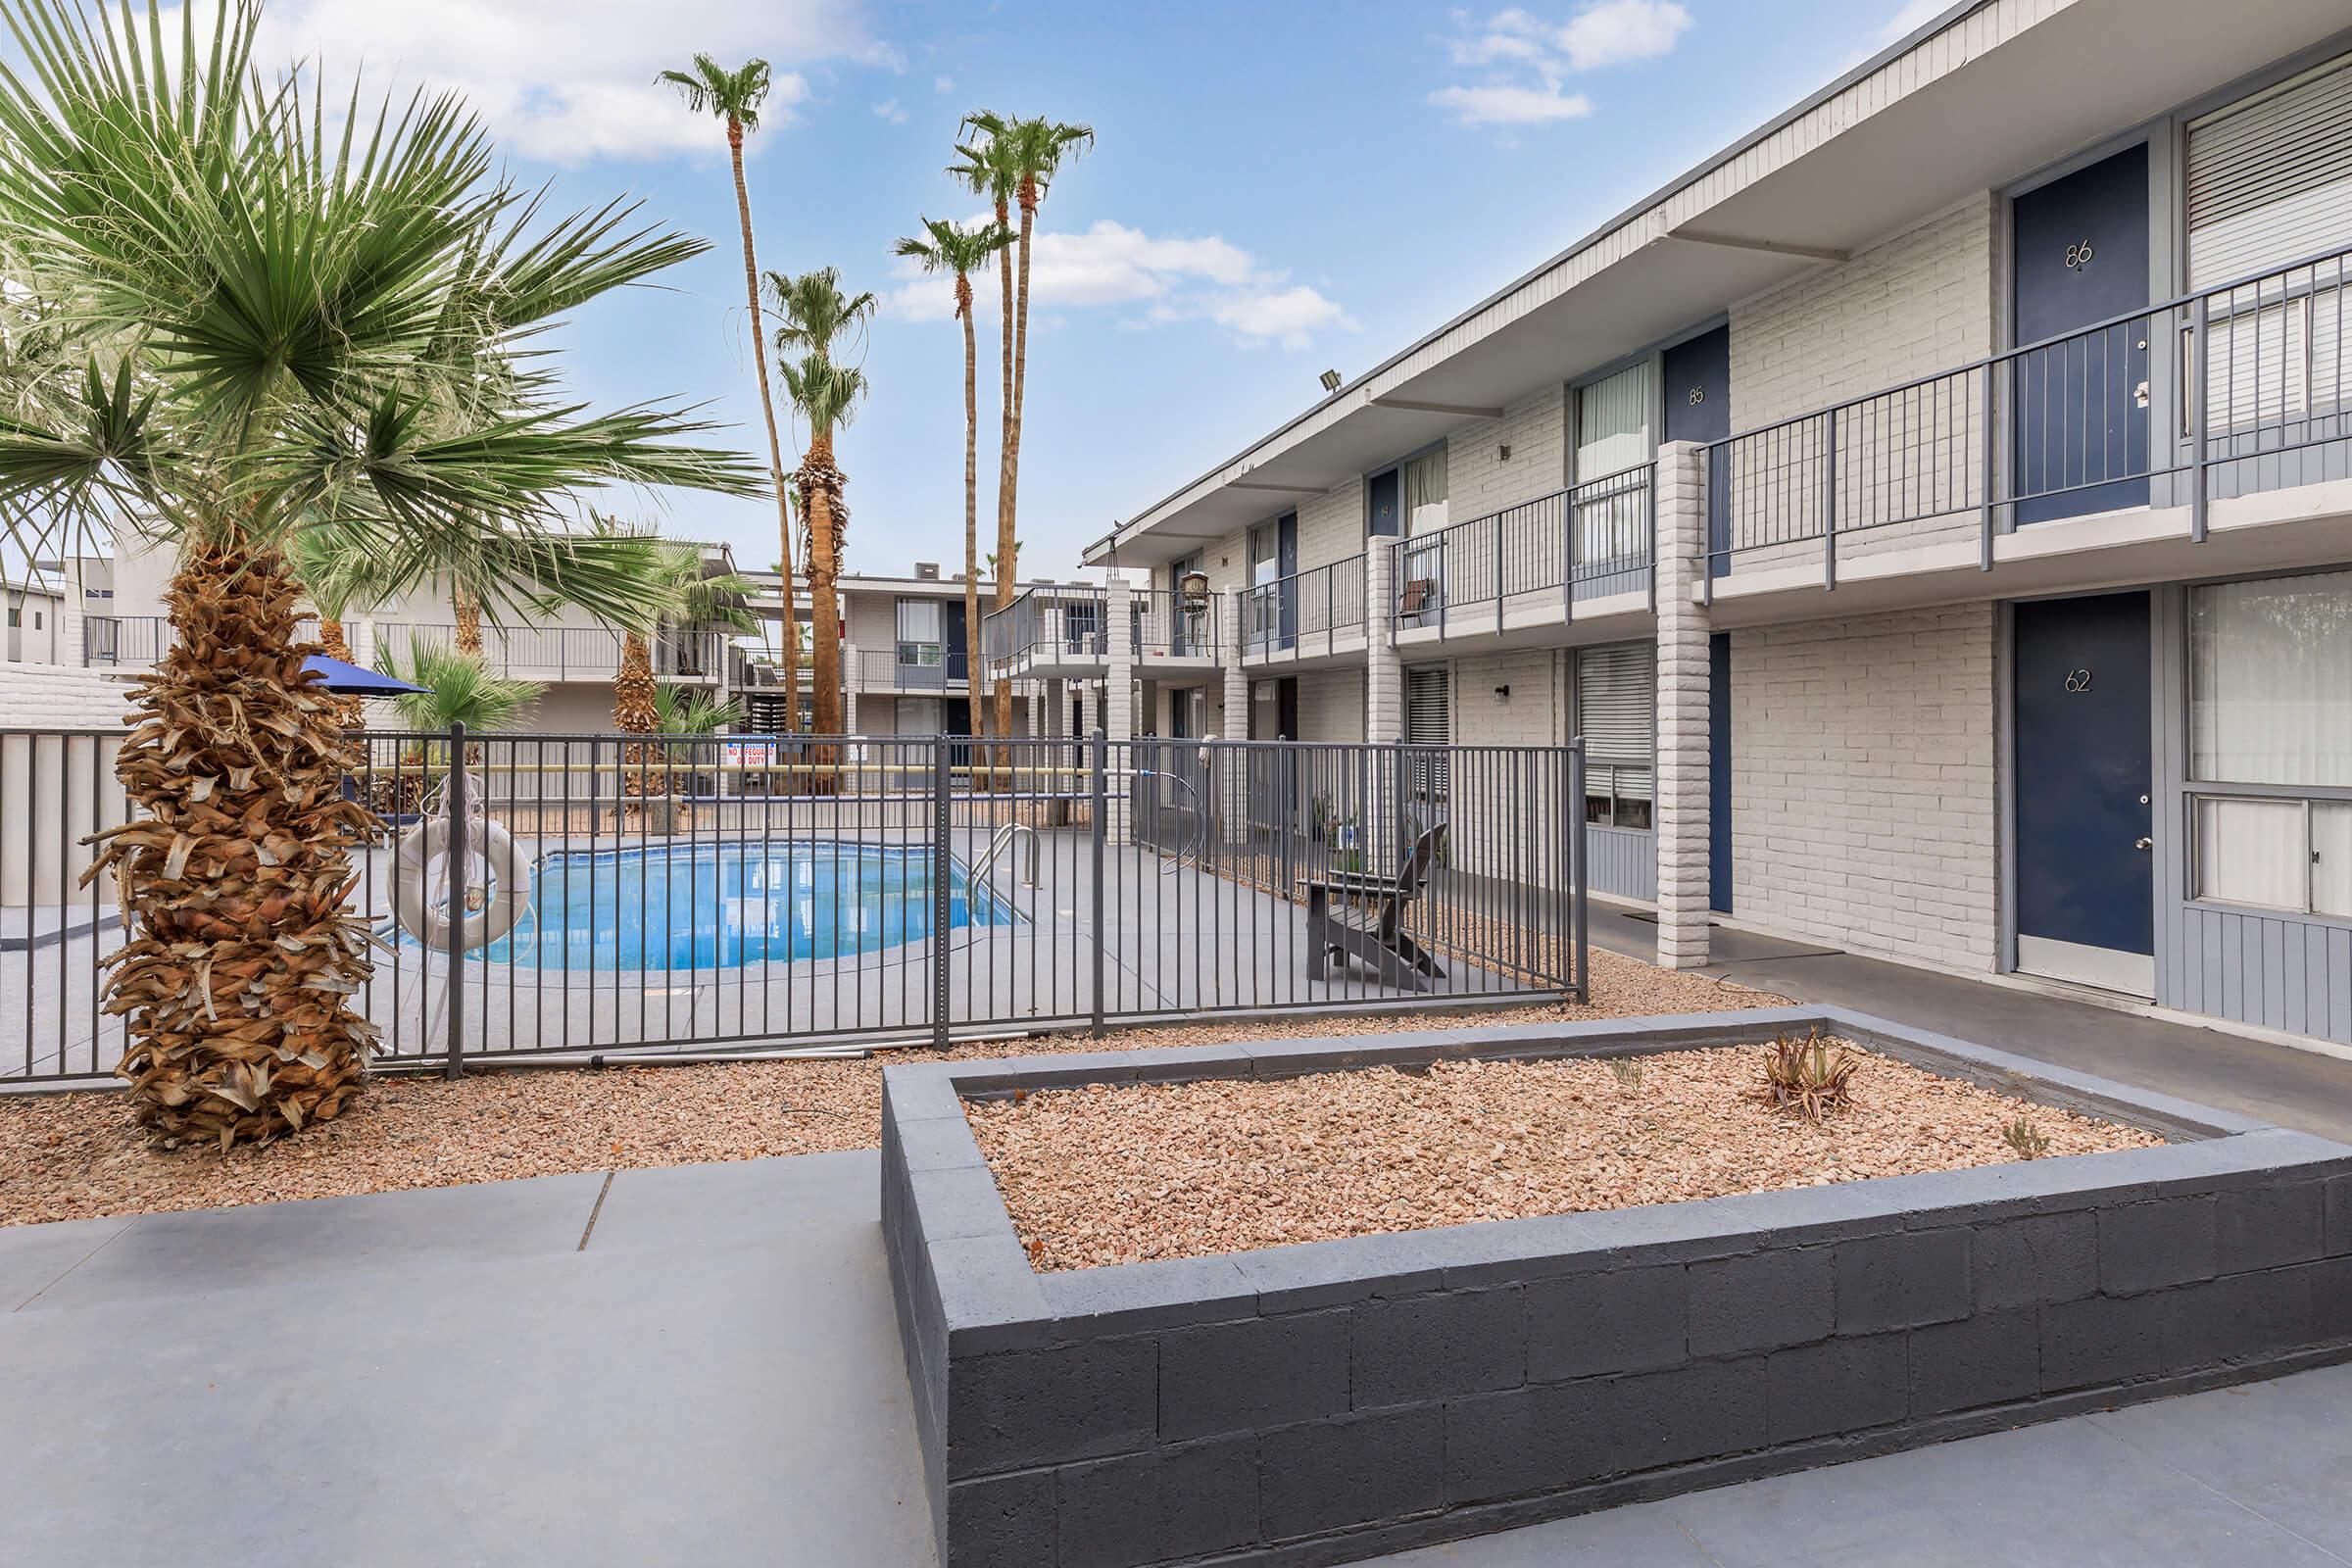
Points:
x=1123 y=1175
x=77 y=1155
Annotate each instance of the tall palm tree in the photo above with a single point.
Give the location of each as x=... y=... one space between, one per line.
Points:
x=816 y=320
x=1025 y=155
x=946 y=247
x=679 y=593
x=735 y=96
x=224 y=329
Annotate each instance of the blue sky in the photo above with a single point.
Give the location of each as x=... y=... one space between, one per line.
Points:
x=1276 y=189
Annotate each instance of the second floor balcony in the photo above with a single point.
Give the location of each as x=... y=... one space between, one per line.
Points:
x=1317 y=613
x=563 y=653
x=914 y=666
x=1582 y=551
x=2147 y=432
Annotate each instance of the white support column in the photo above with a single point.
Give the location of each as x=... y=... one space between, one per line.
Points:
x=1089 y=708
x=1684 y=725
x=1384 y=672
x=1233 y=787
x=1118 y=702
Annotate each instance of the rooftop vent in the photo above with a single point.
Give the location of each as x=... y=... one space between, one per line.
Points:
x=927 y=571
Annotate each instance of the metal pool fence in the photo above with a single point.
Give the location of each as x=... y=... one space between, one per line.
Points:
x=630 y=895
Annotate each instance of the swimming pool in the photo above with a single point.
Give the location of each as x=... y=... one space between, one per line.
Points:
x=720 y=907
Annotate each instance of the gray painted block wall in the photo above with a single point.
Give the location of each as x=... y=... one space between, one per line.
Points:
x=1319 y=1402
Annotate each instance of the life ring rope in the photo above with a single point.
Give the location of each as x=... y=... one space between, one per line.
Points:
x=501 y=901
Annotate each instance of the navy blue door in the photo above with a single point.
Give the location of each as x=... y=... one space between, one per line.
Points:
x=2080 y=404
x=956 y=654
x=1286 y=563
x=2085 y=773
x=1383 y=519
x=1719 y=771
x=1697 y=383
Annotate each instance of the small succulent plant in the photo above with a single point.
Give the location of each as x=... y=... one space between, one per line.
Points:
x=1809 y=1077
x=1626 y=1071
x=2027 y=1140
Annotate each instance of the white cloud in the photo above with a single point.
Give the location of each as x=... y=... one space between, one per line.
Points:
x=1526 y=58
x=943 y=84
x=1503 y=103
x=569 y=81
x=1616 y=33
x=1174 y=279
x=889 y=108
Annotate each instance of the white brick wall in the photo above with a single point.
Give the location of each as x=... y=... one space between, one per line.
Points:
x=1924 y=302
x=1684 y=717
x=56 y=697
x=1863 y=788
x=1331 y=525
x=1530 y=716
x=1330 y=706
x=1479 y=480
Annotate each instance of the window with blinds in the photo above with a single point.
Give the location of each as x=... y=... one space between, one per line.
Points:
x=2269 y=177
x=1616 y=700
x=918 y=632
x=1429 y=722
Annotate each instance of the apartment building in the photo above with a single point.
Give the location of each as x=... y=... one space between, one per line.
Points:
x=1933 y=513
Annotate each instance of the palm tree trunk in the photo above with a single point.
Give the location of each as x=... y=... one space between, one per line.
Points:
x=350 y=714
x=775 y=448
x=975 y=668
x=822 y=485
x=633 y=712
x=1009 y=464
x=468 y=613
x=233 y=877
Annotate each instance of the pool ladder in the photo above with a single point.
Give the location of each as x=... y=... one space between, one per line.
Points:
x=1003 y=841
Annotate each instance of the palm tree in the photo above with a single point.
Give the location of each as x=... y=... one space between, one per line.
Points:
x=694 y=710
x=679 y=594
x=735 y=96
x=1023 y=155
x=953 y=249
x=227 y=328
x=817 y=317
x=459 y=689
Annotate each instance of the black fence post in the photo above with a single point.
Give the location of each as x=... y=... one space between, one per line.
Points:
x=1580 y=876
x=1099 y=810
x=453 y=799
x=941 y=862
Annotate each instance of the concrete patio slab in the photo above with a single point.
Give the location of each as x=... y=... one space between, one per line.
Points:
x=448 y=1376
x=692 y=1386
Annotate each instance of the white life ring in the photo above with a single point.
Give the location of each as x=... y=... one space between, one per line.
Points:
x=503 y=903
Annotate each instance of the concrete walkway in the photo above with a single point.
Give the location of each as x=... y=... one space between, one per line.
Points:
x=698 y=1365
x=468 y=1375
x=2279 y=1084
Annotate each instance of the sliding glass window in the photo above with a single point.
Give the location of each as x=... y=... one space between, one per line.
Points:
x=2271 y=717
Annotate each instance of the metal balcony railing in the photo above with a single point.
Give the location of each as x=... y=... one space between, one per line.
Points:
x=1168 y=625
x=2222 y=392
x=914 y=668
x=563 y=653
x=1047 y=625
x=115 y=641
x=1588 y=541
x=1304 y=611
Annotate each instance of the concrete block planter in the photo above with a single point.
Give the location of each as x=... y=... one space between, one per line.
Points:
x=1327 y=1401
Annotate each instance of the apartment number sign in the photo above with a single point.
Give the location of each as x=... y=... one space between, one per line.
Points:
x=1699 y=395
x=2077 y=680
x=2079 y=255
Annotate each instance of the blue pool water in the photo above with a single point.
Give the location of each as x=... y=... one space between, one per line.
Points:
x=719 y=906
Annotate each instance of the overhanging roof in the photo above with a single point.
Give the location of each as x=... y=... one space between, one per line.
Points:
x=1982 y=95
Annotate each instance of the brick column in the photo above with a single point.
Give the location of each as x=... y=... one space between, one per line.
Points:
x=1682 y=805
x=1233 y=806
x=1118 y=702
x=1384 y=672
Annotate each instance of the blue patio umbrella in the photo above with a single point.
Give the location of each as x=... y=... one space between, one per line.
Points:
x=351 y=680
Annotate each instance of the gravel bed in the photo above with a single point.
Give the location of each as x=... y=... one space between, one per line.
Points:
x=1123 y=1175
x=77 y=1155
